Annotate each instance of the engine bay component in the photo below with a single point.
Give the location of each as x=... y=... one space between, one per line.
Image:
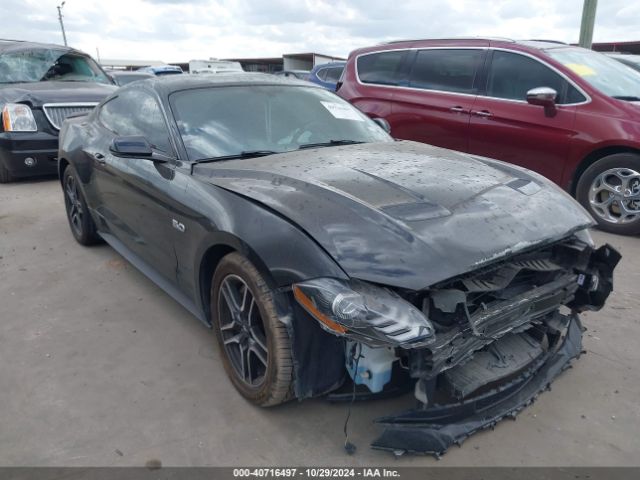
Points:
x=374 y=365
x=502 y=358
x=432 y=430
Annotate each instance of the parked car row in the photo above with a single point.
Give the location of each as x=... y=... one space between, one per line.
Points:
x=299 y=74
x=326 y=74
x=213 y=66
x=568 y=113
x=161 y=70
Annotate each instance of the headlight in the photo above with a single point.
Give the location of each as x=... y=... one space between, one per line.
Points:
x=361 y=311
x=17 y=117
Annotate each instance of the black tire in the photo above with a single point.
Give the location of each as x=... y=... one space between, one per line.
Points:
x=610 y=217
x=82 y=226
x=5 y=176
x=241 y=341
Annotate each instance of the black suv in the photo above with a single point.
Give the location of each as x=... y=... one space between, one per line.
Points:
x=41 y=85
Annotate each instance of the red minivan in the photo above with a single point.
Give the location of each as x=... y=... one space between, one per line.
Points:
x=566 y=112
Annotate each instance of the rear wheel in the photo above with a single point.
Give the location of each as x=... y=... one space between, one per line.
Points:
x=255 y=346
x=610 y=190
x=80 y=221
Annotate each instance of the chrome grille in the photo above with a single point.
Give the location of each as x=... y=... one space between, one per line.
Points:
x=57 y=112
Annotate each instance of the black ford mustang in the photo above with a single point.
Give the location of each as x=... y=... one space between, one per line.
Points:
x=325 y=254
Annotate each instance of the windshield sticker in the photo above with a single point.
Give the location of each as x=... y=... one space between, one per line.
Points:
x=580 y=69
x=344 y=112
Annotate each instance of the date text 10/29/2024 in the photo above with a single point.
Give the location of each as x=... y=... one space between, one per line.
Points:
x=316 y=472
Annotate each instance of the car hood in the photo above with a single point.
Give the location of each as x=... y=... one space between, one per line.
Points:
x=39 y=93
x=405 y=214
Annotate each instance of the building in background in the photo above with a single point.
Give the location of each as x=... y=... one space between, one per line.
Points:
x=117 y=64
x=288 y=61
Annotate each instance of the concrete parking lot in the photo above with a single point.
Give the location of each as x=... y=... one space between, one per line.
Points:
x=99 y=367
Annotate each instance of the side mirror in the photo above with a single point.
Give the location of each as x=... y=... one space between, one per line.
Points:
x=135 y=146
x=383 y=124
x=544 y=97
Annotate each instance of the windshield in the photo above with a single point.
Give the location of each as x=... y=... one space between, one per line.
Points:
x=39 y=65
x=604 y=73
x=225 y=121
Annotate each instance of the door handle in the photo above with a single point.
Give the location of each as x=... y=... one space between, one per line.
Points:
x=482 y=113
x=97 y=156
x=457 y=109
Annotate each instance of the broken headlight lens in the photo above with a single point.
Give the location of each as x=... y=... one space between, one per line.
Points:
x=373 y=315
x=17 y=117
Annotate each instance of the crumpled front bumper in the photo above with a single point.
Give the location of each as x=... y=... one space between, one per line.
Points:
x=434 y=429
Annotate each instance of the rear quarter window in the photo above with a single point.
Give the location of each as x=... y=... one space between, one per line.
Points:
x=333 y=74
x=380 y=68
x=322 y=74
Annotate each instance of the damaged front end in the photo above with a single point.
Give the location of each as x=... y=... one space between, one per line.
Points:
x=477 y=348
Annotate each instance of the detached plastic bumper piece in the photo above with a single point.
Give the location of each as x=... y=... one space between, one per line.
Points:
x=434 y=429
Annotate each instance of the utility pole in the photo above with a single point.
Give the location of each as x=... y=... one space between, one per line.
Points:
x=64 y=35
x=588 y=19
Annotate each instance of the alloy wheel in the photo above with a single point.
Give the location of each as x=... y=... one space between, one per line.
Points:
x=615 y=195
x=73 y=204
x=243 y=332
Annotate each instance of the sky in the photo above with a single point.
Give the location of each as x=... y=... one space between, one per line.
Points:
x=181 y=30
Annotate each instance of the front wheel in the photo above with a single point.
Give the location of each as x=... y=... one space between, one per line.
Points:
x=254 y=343
x=610 y=190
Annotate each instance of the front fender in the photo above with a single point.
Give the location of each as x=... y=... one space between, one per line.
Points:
x=283 y=254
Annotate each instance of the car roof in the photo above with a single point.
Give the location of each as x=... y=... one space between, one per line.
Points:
x=496 y=42
x=173 y=83
x=340 y=63
x=18 y=45
x=630 y=56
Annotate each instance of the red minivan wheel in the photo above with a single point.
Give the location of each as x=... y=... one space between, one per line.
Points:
x=610 y=190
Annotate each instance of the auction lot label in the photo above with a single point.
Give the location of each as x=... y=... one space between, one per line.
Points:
x=317 y=472
x=158 y=472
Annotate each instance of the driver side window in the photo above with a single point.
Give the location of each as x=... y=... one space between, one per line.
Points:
x=512 y=75
x=136 y=112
